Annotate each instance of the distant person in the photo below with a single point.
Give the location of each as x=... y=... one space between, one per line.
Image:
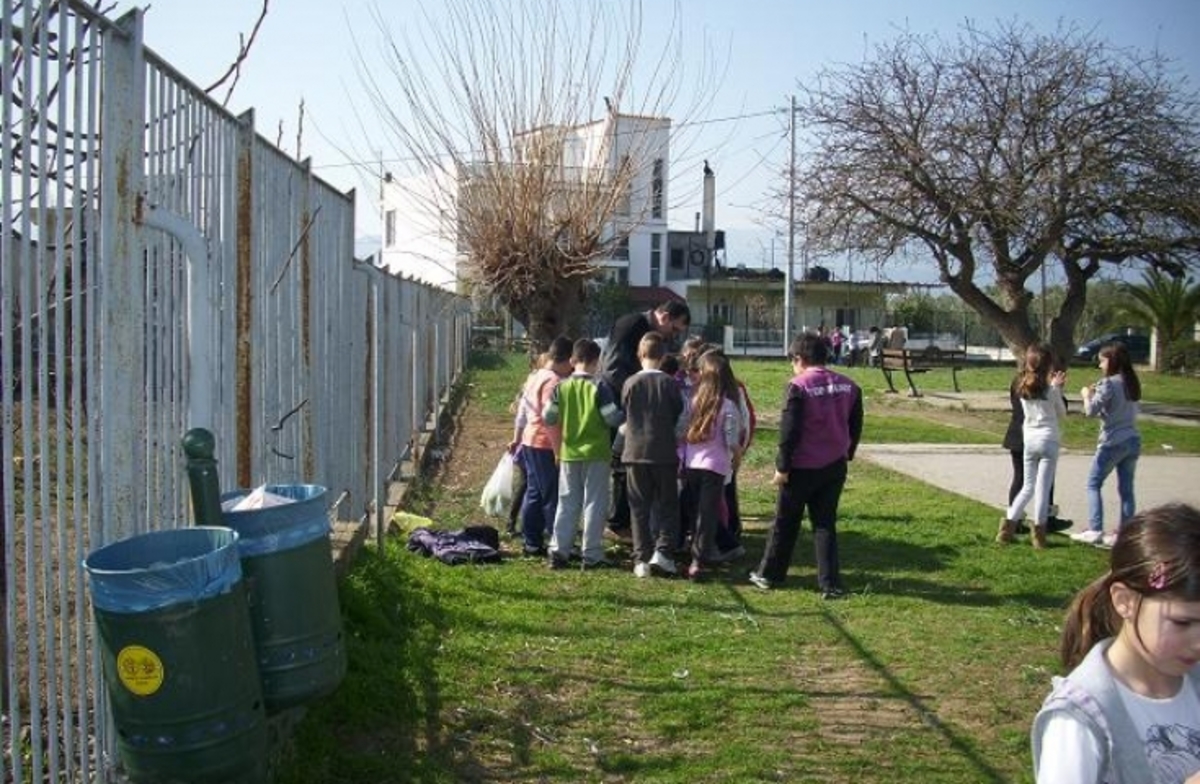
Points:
x=618 y=362
x=897 y=337
x=875 y=346
x=818 y=436
x=837 y=341
x=539 y=448
x=585 y=408
x=655 y=417
x=1039 y=389
x=1129 y=711
x=1114 y=399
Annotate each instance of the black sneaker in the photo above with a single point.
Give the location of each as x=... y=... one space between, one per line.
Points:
x=599 y=563
x=833 y=594
x=1056 y=525
x=556 y=562
x=534 y=552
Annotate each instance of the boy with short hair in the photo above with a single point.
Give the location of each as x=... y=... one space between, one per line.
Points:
x=585 y=409
x=655 y=417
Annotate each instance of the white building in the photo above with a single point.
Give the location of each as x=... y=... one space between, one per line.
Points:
x=418 y=232
x=419 y=223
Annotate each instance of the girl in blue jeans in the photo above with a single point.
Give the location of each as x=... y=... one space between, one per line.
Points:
x=1114 y=399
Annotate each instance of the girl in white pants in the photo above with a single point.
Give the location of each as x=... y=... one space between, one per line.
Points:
x=1040 y=389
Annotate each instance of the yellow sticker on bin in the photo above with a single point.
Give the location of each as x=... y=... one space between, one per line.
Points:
x=140 y=670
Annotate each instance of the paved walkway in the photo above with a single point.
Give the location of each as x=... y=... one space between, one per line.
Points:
x=983 y=473
x=1188 y=416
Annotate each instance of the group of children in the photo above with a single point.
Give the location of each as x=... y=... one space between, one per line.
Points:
x=682 y=424
x=1129 y=708
x=1038 y=403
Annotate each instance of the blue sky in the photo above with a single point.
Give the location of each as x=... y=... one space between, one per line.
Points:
x=305 y=52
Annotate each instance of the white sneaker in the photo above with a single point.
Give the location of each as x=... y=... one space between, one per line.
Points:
x=1107 y=541
x=641 y=570
x=662 y=563
x=1088 y=537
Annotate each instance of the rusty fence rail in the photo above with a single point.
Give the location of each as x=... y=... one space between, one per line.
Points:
x=164 y=267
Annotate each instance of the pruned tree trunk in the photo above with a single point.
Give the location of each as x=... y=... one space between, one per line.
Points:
x=552 y=311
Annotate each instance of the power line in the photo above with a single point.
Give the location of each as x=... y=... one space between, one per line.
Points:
x=685 y=124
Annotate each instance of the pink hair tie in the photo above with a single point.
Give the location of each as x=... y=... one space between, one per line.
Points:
x=1158 y=576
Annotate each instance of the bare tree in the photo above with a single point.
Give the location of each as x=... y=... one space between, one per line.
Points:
x=483 y=105
x=1001 y=152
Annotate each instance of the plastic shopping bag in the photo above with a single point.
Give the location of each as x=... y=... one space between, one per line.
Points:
x=498 y=492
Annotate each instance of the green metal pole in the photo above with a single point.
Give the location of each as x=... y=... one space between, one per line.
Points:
x=199 y=446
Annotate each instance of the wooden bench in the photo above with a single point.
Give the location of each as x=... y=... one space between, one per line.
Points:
x=913 y=361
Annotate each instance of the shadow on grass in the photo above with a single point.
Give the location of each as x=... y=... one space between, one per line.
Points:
x=388 y=707
x=928 y=715
x=389 y=723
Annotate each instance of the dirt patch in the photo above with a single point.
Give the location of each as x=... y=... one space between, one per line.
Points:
x=852 y=702
x=478 y=441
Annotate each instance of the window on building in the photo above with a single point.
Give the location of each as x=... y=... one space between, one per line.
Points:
x=655 y=259
x=625 y=181
x=617 y=275
x=621 y=251
x=656 y=189
x=389 y=229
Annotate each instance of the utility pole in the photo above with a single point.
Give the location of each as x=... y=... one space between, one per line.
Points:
x=791 y=261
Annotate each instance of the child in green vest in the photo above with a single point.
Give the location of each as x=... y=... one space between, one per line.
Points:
x=585 y=408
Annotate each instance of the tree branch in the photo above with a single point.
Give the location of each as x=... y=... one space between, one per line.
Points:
x=235 y=69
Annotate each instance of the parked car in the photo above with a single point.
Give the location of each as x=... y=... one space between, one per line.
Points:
x=1138 y=345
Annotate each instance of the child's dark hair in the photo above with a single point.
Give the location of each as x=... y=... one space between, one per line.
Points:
x=1157 y=554
x=560 y=349
x=811 y=348
x=1117 y=354
x=585 y=352
x=1035 y=376
x=670 y=364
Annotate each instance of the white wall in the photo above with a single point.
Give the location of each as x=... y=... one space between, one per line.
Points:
x=424 y=246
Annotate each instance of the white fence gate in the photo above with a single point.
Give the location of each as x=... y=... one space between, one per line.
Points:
x=164 y=267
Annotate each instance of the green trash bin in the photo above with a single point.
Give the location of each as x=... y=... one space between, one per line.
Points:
x=172 y=616
x=288 y=563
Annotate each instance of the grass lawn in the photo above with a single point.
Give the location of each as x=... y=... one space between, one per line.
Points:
x=899 y=419
x=930 y=672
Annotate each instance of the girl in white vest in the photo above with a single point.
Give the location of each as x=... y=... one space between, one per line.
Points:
x=1129 y=711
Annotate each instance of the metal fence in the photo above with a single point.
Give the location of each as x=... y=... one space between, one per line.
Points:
x=164 y=267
